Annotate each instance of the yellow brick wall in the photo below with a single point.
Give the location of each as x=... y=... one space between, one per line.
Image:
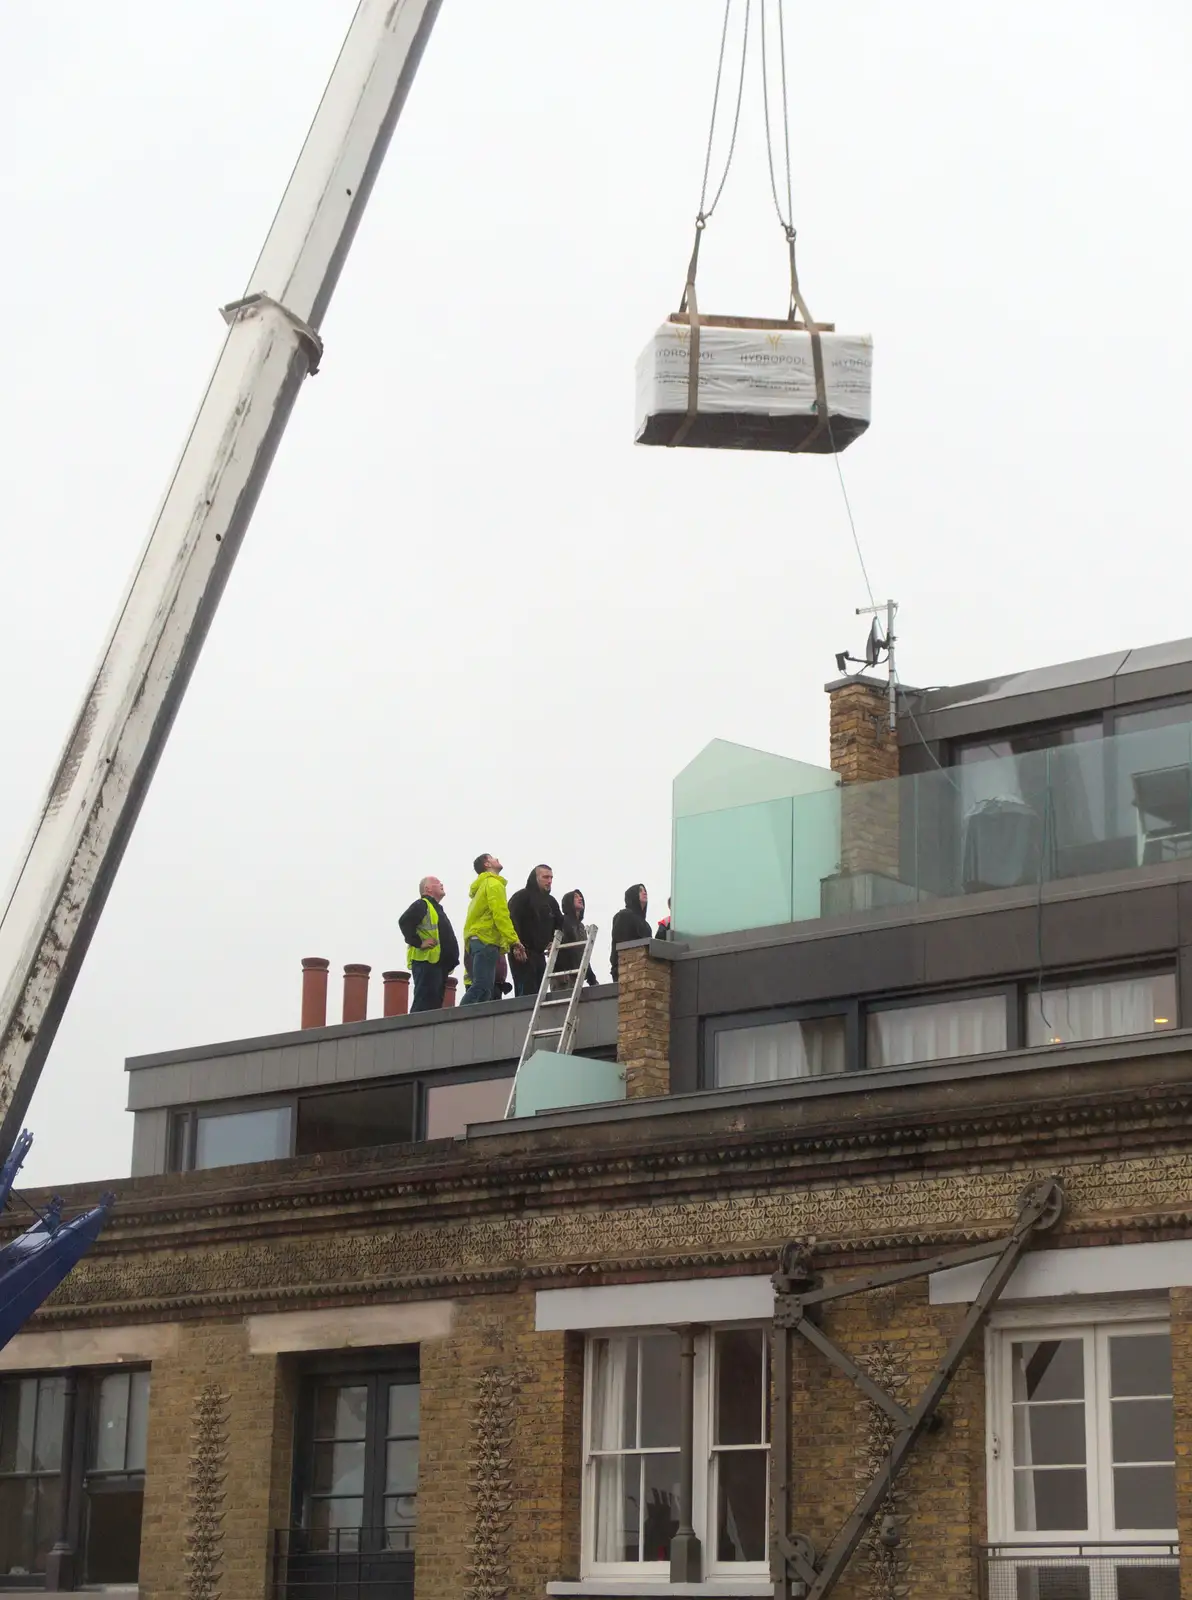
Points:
x=500 y=1462
x=835 y=1443
x=256 y=1403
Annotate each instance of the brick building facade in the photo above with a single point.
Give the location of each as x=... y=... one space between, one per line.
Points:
x=461 y=1363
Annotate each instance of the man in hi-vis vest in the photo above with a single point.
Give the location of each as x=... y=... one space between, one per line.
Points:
x=433 y=953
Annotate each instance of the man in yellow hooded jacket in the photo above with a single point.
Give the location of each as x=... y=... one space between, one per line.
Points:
x=488 y=929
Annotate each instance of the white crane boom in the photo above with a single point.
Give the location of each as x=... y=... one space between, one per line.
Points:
x=273 y=342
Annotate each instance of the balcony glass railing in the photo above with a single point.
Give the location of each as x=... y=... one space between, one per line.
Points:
x=1013 y=820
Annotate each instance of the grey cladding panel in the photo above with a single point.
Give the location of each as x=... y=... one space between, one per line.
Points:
x=684 y=1055
x=1157 y=683
x=808 y=971
x=1111 y=927
x=443 y=1045
x=1173 y=653
x=292 y=1058
x=150 y=1131
x=271 y=1070
x=509 y=1033
x=160 y=1086
x=972 y=949
x=684 y=988
x=597 y=1024
x=345 y=1059
x=479 y=1045
x=356 y=1054
x=317 y=1066
x=990 y=716
x=422 y=1048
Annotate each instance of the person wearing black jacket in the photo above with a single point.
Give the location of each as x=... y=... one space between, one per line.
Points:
x=536 y=916
x=574 y=932
x=433 y=949
x=632 y=923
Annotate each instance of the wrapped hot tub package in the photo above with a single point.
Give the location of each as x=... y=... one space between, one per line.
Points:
x=756 y=387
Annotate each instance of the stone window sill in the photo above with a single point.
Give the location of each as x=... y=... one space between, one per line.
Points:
x=710 y=1589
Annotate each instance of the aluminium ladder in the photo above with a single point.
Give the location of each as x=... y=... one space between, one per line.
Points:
x=565 y=1032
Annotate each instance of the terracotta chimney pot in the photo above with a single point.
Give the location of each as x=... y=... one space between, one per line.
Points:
x=397 y=993
x=356 y=976
x=314 y=991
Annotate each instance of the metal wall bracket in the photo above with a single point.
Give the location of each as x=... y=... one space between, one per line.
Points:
x=799 y=1572
x=307 y=337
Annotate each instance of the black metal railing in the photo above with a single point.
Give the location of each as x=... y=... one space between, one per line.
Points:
x=343 y=1564
x=1038 y=1571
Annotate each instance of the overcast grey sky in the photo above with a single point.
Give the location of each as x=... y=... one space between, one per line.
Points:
x=469 y=613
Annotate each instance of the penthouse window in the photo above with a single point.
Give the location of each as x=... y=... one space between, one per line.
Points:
x=769 y=1045
x=810 y=1042
x=1106 y=1009
x=900 y=1034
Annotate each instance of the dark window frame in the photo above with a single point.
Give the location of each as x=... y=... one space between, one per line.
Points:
x=1086 y=977
x=443 y=1080
x=182 y=1121
x=378 y=1369
x=814 y=1011
x=358 y=1086
x=1026 y=730
x=1016 y=992
x=1009 y=990
x=185 y=1120
x=80 y=1423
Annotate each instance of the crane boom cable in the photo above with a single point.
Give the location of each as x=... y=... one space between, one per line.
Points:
x=705 y=210
x=788 y=221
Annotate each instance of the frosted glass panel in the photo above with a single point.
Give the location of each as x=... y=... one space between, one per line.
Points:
x=733 y=868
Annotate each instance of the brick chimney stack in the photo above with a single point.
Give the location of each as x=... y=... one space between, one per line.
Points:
x=449 y=989
x=864 y=751
x=314 y=991
x=356 y=975
x=863 y=747
x=396 y=992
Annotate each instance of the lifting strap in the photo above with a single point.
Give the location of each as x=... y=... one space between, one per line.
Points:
x=797 y=308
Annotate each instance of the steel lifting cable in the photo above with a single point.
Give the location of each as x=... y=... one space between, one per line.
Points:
x=688 y=301
x=705 y=210
x=787 y=223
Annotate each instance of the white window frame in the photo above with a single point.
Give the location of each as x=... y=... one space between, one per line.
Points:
x=703 y=1475
x=705 y=1453
x=1095 y=1324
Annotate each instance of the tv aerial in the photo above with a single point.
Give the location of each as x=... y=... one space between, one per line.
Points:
x=879 y=647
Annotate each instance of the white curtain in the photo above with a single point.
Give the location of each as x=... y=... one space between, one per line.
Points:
x=779 y=1050
x=1101 y=1010
x=936 y=1032
x=607 y=1422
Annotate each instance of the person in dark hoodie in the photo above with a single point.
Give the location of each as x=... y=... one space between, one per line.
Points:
x=536 y=916
x=574 y=932
x=632 y=923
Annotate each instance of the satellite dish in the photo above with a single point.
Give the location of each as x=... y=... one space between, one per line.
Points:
x=874 y=645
